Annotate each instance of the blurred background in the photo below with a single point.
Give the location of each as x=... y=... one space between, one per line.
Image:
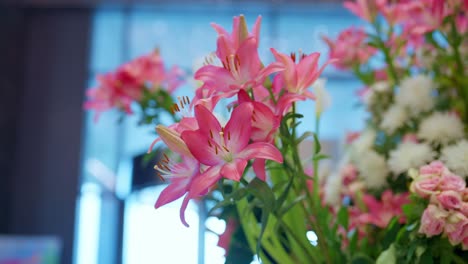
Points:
x=72 y=181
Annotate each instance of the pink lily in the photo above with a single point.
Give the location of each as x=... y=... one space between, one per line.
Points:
x=181 y=174
x=298 y=77
x=350 y=48
x=241 y=70
x=381 y=212
x=238 y=35
x=365 y=9
x=224 y=151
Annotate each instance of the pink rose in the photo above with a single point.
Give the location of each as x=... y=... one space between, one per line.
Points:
x=456 y=228
x=434 y=168
x=464 y=208
x=425 y=186
x=433 y=221
x=450 y=199
x=452 y=182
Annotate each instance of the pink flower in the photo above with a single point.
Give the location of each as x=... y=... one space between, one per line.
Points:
x=456 y=228
x=380 y=213
x=121 y=88
x=435 y=168
x=425 y=186
x=450 y=199
x=238 y=35
x=241 y=70
x=365 y=9
x=350 y=48
x=297 y=78
x=225 y=238
x=264 y=122
x=433 y=221
x=223 y=151
x=181 y=174
x=452 y=182
x=464 y=208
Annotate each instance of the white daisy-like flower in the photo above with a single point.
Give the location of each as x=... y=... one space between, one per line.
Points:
x=410 y=155
x=381 y=86
x=363 y=143
x=323 y=98
x=416 y=94
x=372 y=169
x=332 y=189
x=441 y=128
x=455 y=157
x=393 y=118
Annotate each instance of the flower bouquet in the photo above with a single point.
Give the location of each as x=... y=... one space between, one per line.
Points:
x=399 y=193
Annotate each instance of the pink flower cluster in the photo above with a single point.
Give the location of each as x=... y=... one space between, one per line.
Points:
x=447 y=212
x=126 y=84
x=408 y=21
x=210 y=151
x=350 y=48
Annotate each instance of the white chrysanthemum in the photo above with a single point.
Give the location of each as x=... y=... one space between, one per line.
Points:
x=393 y=118
x=332 y=190
x=441 y=128
x=381 y=86
x=410 y=155
x=455 y=158
x=323 y=99
x=372 y=169
x=363 y=143
x=416 y=94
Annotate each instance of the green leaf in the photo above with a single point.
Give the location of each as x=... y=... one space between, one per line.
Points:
x=426 y=258
x=229 y=199
x=343 y=217
x=361 y=259
x=317 y=145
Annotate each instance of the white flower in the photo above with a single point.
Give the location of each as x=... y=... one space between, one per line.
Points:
x=372 y=169
x=323 y=99
x=393 y=118
x=363 y=143
x=415 y=94
x=441 y=128
x=332 y=190
x=455 y=158
x=381 y=86
x=410 y=155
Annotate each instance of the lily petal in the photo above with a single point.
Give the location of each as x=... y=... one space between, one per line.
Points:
x=173 y=140
x=234 y=170
x=261 y=150
x=200 y=148
x=238 y=129
x=259 y=168
x=174 y=191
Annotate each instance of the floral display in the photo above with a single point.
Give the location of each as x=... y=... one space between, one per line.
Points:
x=399 y=192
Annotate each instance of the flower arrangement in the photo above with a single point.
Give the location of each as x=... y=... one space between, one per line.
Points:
x=399 y=193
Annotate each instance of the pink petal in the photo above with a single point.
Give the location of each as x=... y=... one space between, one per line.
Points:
x=201 y=183
x=207 y=122
x=289 y=73
x=261 y=150
x=234 y=170
x=214 y=77
x=197 y=143
x=219 y=29
x=238 y=129
x=224 y=48
x=307 y=70
x=183 y=207
x=259 y=168
x=250 y=63
x=174 y=191
x=256 y=29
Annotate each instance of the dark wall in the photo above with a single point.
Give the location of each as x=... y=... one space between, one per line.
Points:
x=10 y=88
x=42 y=88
